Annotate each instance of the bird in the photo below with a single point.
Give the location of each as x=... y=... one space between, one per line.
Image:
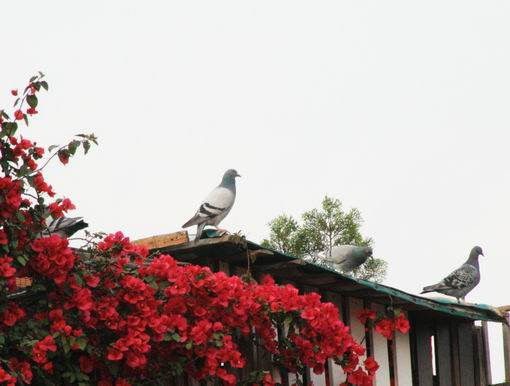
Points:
x=347 y=258
x=65 y=226
x=216 y=205
x=461 y=281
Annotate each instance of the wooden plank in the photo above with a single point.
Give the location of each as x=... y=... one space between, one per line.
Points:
x=486 y=351
x=224 y=267
x=379 y=351
x=506 y=347
x=357 y=329
x=466 y=354
x=454 y=336
x=316 y=379
x=443 y=353
x=335 y=372
x=479 y=356
x=402 y=360
x=423 y=352
x=165 y=240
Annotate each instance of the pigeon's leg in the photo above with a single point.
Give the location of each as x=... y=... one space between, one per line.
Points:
x=200 y=229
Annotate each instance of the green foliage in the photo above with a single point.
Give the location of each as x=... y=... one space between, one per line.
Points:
x=320 y=230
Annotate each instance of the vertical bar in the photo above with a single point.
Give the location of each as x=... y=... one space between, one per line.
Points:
x=380 y=353
x=316 y=379
x=357 y=329
x=479 y=357
x=423 y=352
x=466 y=354
x=224 y=267
x=443 y=353
x=454 y=338
x=506 y=346
x=486 y=351
x=402 y=359
x=335 y=374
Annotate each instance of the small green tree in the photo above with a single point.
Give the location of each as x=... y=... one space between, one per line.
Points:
x=320 y=230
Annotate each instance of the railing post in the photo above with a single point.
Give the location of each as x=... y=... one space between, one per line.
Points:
x=486 y=352
x=506 y=346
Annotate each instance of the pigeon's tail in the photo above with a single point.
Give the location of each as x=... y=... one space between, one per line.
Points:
x=192 y=221
x=429 y=288
x=77 y=226
x=200 y=229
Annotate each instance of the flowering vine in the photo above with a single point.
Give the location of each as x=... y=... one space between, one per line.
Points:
x=385 y=322
x=110 y=314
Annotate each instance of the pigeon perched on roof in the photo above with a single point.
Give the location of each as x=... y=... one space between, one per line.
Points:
x=347 y=258
x=461 y=281
x=65 y=226
x=216 y=205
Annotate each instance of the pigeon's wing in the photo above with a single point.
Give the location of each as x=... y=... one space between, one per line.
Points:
x=461 y=278
x=339 y=254
x=66 y=226
x=218 y=202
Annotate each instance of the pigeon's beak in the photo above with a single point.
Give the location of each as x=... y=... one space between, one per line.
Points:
x=238 y=175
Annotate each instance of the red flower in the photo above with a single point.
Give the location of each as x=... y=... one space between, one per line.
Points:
x=14 y=92
x=365 y=315
x=18 y=114
x=385 y=328
x=402 y=324
x=63 y=157
x=6 y=269
x=31 y=111
x=86 y=364
x=92 y=280
x=12 y=314
x=371 y=365
x=3 y=238
x=23 y=368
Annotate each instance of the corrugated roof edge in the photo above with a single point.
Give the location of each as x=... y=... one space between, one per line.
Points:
x=464 y=310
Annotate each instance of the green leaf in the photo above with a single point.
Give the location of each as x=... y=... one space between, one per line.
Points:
x=78 y=278
x=86 y=146
x=10 y=128
x=32 y=101
x=65 y=345
x=52 y=147
x=44 y=85
x=73 y=145
x=81 y=342
x=32 y=78
x=22 y=259
x=25 y=118
x=16 y=102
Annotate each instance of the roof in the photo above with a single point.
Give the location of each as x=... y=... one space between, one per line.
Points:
x=236 y=250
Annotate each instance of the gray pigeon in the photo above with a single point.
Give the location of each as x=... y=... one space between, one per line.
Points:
x=216 y=205
x=461 y=281
x=65 y=226
x=347 y=258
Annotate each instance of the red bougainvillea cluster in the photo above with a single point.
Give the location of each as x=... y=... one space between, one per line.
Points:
x=109 y=314
x=385 y=323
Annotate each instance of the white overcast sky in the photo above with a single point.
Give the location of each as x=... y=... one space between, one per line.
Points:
x=398 y=108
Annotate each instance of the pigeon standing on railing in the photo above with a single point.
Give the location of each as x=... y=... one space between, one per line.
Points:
x=461 y=281
x=216 y=205
x=65 y=226
x=347 y=258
